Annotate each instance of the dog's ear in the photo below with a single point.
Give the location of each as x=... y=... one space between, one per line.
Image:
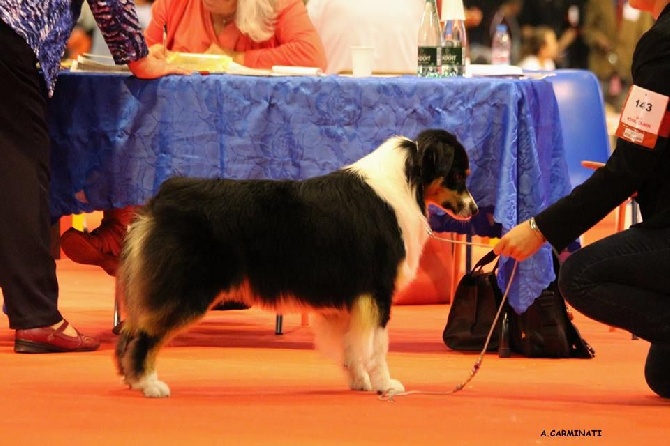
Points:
x=436 y=153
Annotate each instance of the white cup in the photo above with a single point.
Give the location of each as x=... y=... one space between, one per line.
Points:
x=362 y=58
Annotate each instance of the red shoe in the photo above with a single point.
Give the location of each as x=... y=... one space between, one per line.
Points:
x=53 y=340
x=87 y=248
x=102 y=246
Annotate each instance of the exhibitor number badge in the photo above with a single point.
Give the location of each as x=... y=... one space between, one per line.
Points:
x=642 y=117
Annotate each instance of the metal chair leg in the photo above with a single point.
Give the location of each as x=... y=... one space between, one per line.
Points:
x=468 y=252
x=278 y=324
x=118 y=323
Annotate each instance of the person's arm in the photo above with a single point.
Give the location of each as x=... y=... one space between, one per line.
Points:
x=300 y=44
x=121 y=30
x=629 y=167
x=159 y=21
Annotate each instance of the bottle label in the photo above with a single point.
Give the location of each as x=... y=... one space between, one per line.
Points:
x=429 y=56
x=452 y=55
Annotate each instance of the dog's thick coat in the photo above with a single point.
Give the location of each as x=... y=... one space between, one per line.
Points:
x=338 y=245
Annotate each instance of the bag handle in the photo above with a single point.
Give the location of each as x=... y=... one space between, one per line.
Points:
x=488 y=258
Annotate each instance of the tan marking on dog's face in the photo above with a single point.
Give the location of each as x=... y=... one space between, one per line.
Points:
x=459 y=205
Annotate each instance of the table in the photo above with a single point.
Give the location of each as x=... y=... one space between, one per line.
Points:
x=117 y=138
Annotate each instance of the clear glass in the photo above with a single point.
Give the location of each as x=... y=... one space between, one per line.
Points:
x=454 y=43
x=429 y=54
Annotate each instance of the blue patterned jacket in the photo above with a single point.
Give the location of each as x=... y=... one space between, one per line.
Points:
x=46 y=26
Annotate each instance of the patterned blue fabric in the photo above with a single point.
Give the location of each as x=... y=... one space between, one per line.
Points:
x=46 y=26
x=118 y=138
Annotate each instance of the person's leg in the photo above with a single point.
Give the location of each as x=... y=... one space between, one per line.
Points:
x=657 y=369
x=624 y=281
x=27 y=269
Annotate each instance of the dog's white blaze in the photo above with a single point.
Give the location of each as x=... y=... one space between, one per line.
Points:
x=384 y=171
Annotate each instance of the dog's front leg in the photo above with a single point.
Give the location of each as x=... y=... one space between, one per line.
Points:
x=380 y=377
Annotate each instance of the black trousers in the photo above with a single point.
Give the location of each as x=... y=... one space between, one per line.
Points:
x=27 y=268
x=624 y=281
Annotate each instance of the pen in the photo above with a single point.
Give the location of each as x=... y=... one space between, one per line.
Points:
x=165 y=37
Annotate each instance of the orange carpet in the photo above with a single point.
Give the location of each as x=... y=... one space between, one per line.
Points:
x=236 y=383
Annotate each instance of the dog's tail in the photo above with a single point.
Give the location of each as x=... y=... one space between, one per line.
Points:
x=131 y=275
x=168 y=274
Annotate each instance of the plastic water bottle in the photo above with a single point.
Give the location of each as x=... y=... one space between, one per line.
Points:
x=454 y=38
x=501 y=46
x=429 y=60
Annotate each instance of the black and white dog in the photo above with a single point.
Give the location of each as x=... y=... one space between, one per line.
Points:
x=338 y=246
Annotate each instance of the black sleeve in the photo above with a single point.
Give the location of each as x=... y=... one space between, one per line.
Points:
x=629 y=167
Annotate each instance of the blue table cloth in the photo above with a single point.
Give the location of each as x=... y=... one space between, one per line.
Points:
x=117 y=138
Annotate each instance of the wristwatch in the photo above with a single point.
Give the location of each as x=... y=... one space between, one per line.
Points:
x=533 y=226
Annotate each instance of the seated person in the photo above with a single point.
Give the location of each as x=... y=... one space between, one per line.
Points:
x=539 y=49
x=382 y=24
x=385 y=25
x=255 y=33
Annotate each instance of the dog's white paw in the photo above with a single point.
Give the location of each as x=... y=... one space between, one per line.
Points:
x=151 y=386
x=157 y=389
x=393 y=386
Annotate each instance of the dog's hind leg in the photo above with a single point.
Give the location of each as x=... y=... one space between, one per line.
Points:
x=358 y=342
x=167 y=285
x=136 y=352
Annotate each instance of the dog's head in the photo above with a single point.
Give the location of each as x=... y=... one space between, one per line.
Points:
x=441 y=165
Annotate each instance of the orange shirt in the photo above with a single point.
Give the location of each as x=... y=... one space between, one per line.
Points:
x=190 y=29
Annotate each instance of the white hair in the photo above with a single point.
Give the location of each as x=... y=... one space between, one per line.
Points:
x=257 y=18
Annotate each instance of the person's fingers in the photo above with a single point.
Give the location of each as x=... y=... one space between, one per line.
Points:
x=158 y=51
x=507 y=248
x=499 y=247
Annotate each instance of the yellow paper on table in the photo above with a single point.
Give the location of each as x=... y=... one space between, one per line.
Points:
x=204 y=63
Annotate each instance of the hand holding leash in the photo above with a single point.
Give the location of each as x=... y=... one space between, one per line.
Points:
x=521 y=242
